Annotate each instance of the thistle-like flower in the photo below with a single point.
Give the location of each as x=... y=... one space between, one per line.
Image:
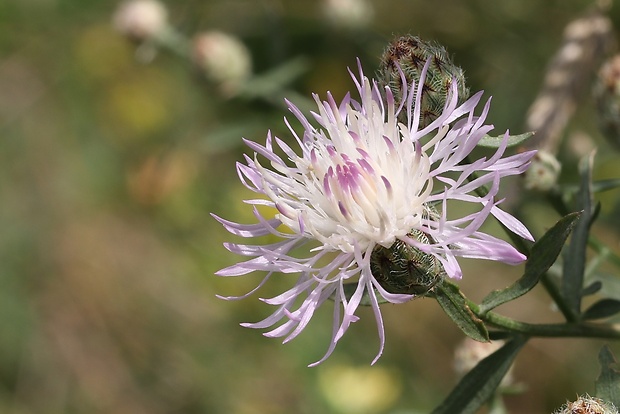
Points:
x=372 y=197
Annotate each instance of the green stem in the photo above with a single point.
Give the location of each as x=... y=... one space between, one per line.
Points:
x=554 y=291
x=560 y=330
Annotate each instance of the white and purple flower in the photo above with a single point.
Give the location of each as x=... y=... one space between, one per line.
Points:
x=363 y=180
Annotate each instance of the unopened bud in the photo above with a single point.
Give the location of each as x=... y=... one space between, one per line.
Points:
x=543 y=172
x=140 y=19
x=588 y=405
x=224 y=59
x=407 y=56
x=403 y=268
x=348 y=14
x=607 y=95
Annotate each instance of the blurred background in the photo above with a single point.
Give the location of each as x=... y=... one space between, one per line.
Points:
x=115 y=147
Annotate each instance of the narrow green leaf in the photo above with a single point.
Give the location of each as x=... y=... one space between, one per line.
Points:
x=591 y=289
x=479 y=385
x=543 y=254
x=604 y=308
x=608 y=382
x=610 y=282
x=575 y=254
x=599 y=186
x=605 y=185
x=495 y=142
x=276 y=79
x=454 y=304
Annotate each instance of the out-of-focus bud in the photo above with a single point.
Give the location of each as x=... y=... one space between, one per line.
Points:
x=140 y=19
x=587 y=405
x=407 y=56
x=607 y=95
x=470 y=352
x=348 y=14
x=224 y=59
x=543 y=172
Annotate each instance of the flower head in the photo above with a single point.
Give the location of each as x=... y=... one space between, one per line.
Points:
x=363 y=182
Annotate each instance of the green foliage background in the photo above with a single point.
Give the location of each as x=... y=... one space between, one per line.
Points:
x=110 y=167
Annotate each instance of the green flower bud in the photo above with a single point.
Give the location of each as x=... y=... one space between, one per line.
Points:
x=410 y=54
x=403 y=268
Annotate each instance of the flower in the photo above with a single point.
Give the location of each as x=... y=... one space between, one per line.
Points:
x=364 y=181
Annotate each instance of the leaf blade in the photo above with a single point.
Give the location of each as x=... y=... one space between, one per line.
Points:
x=543 y=254
x=495 y=142
x=454 y=304
x=575 y=255
x=478 y=385
x=604 y=308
